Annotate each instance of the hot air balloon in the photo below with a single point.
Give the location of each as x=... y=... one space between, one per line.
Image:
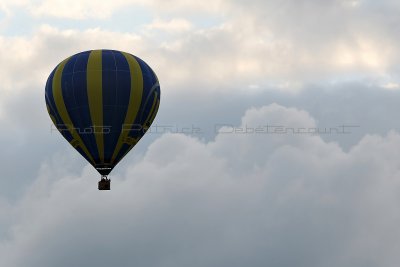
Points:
x=102 y=102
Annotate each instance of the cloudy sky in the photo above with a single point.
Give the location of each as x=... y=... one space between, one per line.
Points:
x=320 y=186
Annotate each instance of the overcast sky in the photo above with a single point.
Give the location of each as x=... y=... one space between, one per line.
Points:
x=207 y=189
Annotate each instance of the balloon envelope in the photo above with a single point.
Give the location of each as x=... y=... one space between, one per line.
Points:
x=102 y=102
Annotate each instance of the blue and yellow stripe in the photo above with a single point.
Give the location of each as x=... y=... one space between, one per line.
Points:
x=98 y=98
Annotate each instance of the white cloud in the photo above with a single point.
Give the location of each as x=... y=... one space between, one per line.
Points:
x=86 y=9
x=29 y=60
x=253 y=44
x=8 y=5
x=79 y=9
x=391 y=86
x=173 y=25
x=241 y=200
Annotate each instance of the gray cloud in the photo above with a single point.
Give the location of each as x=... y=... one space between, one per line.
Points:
x=28 y=140
x=289 y=200
x=208 y=199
